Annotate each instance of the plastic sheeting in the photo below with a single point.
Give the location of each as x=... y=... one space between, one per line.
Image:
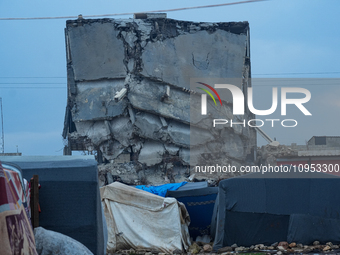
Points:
x=140 y=220
x=255 y=209
x=161 y=189
x=200 y=205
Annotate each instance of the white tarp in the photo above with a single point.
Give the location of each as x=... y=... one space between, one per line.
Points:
x=140 y=220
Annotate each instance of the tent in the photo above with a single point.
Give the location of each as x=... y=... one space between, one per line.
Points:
x=266 y=208
x=200 y=205
x=140 y=220
x=69 y=196
x=15 y=228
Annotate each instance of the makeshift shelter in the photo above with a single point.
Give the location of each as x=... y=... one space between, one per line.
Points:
x=200 y=205
x=15 y=228
x=69 y=197
x=140 y=220
x=266 y=208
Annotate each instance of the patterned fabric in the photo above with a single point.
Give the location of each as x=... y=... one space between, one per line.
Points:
x=15 y=229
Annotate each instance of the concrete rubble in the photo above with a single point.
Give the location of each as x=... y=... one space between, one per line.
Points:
x=129 y=96
x=278 y=248
x=268 y=154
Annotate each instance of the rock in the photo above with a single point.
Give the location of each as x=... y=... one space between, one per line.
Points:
x=194 y=248
x=292 y=245
x=274 y=244
x=53 y=243
x=251 y=247
x=225 y=249
x=279 y=253
x=330 y=244
x=234 y=245
x=207 y=248
x=308 y=249
x=280 y=248
x=299 y=245
x=334 y=247
x=327 y=248
x=284 y=245
x=150 y=253
x=239 y=249
x=270 y=247
x=256 y=249
x=260 y=246
x=316 y=243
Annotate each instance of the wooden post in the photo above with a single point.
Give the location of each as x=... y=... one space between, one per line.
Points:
x=35 y=201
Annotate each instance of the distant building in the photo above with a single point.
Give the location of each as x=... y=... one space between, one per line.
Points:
x=11 y=154
x=320 y=152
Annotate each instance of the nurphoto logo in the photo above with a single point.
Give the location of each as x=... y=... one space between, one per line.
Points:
x=239 y=99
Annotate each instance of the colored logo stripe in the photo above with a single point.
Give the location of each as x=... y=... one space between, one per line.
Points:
x=208 y=86
x=208 y=92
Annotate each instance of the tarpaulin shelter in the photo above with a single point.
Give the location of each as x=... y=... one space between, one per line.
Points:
x=140 y=220
x=69 y=196
x=266 y=208
x=200 y=205
x=16 y=234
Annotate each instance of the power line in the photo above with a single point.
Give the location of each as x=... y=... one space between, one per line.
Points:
x=131 y=13
x=17 y=83
x=64 y=77
x=294 y=73
x=32 y=87
x=32 y=77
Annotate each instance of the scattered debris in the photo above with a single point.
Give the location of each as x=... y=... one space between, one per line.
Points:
x=267 y=154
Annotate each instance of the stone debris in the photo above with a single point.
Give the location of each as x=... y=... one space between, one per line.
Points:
x=194 y=248
x=275 y=248
x=292 y=245
x=129 y=94
x=267 y=154
x=284 y=245
x=207 y=248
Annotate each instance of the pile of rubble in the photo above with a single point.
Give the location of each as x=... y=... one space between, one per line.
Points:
x=280 y=248
x=267 y=154
x=275 y=248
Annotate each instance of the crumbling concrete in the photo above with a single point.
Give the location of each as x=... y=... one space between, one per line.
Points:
x=129 y=93
x=268 y=154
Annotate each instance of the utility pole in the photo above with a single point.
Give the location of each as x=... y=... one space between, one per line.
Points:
x=2 y=149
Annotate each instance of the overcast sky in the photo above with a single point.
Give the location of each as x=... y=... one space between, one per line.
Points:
x=287 y=37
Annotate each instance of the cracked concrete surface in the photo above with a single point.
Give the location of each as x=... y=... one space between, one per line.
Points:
x=154 y=134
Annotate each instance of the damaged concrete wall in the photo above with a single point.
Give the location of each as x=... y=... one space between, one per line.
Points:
x=150 y=62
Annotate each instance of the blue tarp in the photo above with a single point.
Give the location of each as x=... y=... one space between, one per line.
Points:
x=162 y=189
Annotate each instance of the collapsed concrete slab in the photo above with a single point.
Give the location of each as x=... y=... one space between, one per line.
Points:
x=130 y=96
